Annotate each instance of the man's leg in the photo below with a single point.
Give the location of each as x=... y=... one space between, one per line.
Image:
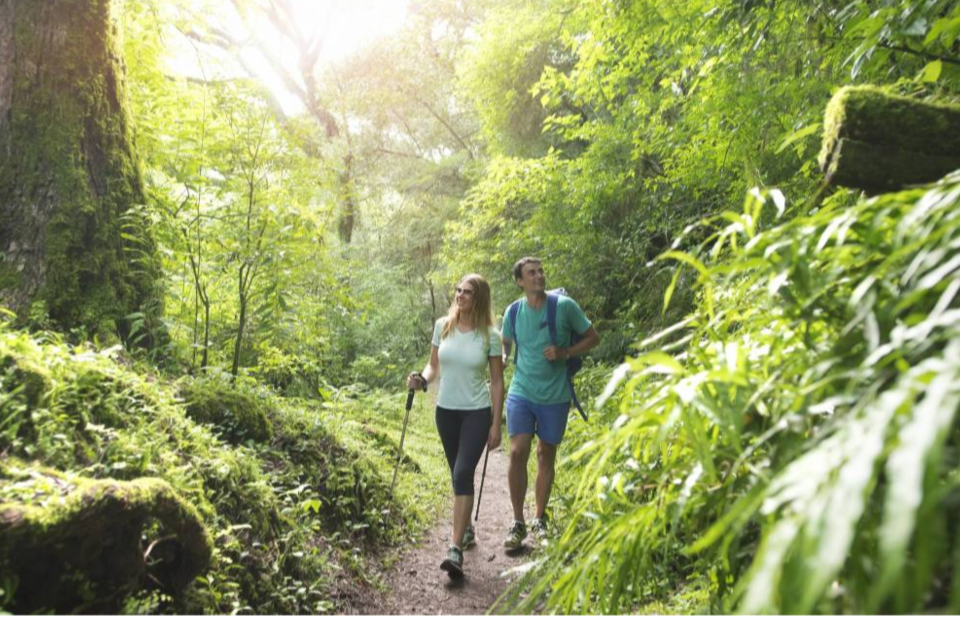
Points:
x=546 y=460
x=517 y=471
x=552 y=424
x=521 y=423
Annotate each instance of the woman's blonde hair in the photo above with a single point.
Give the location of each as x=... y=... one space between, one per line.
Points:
x=481 y=313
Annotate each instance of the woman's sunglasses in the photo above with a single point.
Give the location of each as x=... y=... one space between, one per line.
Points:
x=466 y=292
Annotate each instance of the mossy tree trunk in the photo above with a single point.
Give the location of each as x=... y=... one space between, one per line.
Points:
x=75 y=245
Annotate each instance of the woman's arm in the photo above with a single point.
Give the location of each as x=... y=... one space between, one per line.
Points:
x=429 y=372
x=496 y=393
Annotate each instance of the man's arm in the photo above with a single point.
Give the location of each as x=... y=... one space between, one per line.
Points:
x=507 y=348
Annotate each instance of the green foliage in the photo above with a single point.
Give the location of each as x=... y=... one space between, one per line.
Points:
x=800 y=447
x=518 y=43
x=782 y=436
x=656 y=115
x=664 y=114
x=241 y=210
x=290 y=517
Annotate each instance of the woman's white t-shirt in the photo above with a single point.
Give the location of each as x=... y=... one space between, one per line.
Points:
x=464 y=361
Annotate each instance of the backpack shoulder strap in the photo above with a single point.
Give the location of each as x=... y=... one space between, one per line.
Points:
x=552 y=301
x=512 y=312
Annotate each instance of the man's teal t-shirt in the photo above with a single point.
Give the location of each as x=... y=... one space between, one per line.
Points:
x=536 y=379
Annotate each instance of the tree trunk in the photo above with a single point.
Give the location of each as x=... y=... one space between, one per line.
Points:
x=75 y=249
x=880 y=142
x=241 y=325
x=348 y=201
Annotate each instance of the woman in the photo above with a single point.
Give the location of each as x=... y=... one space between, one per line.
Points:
x=465 y=344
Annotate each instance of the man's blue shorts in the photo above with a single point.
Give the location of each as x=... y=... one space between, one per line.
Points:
x=548 y=421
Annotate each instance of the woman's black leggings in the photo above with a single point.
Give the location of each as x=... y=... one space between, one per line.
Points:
x=464 y=435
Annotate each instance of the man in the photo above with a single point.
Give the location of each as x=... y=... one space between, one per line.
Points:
x=539 y=398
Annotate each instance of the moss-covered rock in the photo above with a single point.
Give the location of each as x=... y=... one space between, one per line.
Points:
x=69 y=542
x=877 y=141
x=236 y=415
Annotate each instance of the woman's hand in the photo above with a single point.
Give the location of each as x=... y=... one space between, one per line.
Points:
x=493 y=440
x=416 y=381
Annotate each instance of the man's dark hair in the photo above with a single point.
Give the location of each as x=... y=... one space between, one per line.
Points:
x=521 y=263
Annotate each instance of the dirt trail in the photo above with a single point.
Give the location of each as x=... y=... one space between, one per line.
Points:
x=418 y=586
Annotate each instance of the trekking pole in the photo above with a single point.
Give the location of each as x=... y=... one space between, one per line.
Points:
x=482 y=477
x=403 y=434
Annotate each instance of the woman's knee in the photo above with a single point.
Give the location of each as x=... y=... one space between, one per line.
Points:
x=462 y=483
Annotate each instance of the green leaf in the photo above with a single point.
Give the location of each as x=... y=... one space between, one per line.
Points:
x=796 y=136
x=931 y=72
x=685 y=258
x=310 y=505
x=668 y=295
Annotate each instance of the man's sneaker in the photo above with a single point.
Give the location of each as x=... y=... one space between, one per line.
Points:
x=453 y=563
x=515 y=536
x=539 y=528
x=469 y=539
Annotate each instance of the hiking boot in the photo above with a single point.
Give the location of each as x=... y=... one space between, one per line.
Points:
x=453 y=563
x=469 y=539
x=515 y=536
x=539 y=529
